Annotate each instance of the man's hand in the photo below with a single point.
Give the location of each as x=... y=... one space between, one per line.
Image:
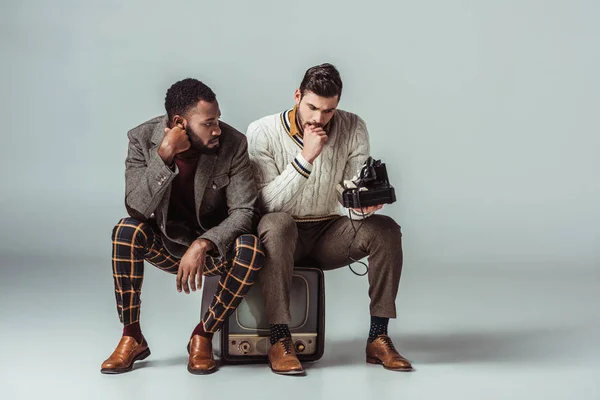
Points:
x=314 y=139
x=192 y=265
x=174 y=142
x=367 y=210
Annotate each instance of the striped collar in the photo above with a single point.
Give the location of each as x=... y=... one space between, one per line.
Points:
x=288 y=120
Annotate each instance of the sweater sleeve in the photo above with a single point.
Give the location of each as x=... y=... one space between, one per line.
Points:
x=278 y=186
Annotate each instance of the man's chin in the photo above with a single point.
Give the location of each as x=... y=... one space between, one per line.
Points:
x=210 y=148
x=196 y=150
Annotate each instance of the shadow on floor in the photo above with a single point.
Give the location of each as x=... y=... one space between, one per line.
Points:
x=524 y=345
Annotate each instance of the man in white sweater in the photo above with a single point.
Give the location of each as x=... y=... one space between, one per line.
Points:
x=300 y=157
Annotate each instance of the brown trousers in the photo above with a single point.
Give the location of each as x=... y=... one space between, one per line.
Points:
x=325 y=244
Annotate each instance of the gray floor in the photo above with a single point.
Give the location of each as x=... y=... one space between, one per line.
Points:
x=472 y=333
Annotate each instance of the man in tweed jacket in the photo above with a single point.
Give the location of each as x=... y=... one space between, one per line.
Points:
x=190 y=194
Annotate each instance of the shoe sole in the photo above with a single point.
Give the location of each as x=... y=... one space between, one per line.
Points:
x=297 y=373
x=201 y=371
x=376 y=361
x=113 y=371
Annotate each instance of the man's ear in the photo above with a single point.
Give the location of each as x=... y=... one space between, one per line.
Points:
x=298 y=96
x=179 y=121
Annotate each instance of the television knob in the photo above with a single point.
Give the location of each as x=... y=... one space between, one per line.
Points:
x=300 y=346
x=245 y=347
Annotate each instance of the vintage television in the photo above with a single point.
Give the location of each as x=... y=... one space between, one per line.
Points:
x=244 y=337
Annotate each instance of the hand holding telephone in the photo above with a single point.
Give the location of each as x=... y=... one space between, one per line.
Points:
x=370 y=187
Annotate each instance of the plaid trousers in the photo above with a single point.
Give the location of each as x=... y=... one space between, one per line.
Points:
x=134 y=241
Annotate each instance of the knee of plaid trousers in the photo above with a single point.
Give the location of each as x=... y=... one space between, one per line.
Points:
x=247 y=259
x=131 y=231
x=248 y=251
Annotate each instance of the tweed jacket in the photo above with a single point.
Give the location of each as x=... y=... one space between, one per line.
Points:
x=224 y=188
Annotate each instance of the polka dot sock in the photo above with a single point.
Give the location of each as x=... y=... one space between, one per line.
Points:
x=379 y=326
x=279 y=331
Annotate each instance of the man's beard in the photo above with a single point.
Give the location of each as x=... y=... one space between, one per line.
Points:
x=301 y=123
x=197 y=148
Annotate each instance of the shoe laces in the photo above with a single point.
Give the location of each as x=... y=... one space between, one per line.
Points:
x=388 y=342
x=287 y=345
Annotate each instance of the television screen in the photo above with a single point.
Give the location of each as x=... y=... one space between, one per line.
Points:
x=250 y=314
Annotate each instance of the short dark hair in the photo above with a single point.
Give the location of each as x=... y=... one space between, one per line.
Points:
x=323 y=80
x=185 y=94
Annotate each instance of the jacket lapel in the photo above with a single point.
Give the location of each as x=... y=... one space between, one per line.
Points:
x=204 y=170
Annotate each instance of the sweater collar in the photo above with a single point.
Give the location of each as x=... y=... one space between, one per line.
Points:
x=288 y=119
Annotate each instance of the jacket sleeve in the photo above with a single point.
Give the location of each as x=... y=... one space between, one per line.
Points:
x=146 y=179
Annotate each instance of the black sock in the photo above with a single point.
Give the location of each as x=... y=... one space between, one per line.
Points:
x=379 y=326
x=279 y=331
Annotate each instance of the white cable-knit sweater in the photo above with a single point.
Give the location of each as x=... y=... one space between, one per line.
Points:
x=289 y=183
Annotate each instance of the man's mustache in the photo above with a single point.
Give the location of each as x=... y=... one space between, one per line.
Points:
x=315 y=124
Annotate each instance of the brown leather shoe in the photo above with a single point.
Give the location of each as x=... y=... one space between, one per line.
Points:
x=382 y=351
x=127 y=352
x=201 y=360
x=283 y=359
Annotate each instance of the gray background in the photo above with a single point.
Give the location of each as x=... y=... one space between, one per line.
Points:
x=485 y=112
